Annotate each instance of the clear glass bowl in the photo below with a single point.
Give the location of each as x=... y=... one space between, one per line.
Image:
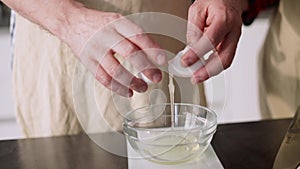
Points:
x=161 y=137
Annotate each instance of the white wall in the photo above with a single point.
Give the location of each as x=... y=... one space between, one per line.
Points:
x=8 y=126
x=234 y=93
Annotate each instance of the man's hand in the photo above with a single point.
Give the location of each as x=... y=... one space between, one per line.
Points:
x=220 y=21
x=108 y=34
x=95 y=37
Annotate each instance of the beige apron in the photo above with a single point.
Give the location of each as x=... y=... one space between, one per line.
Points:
x=280 y=63
x=43 y=74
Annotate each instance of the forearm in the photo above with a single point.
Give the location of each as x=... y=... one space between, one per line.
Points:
x=56 y=16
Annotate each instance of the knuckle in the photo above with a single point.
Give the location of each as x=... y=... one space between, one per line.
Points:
x=193 y=8
x=213 y=40
x=129 y=49
x=116 y=16
x=139 y=35
x=193 y=35
x=146 y=41
x=226 y=17
x=105 y=80
x=222 y=17
x=118 y=89
x=230 y=15
x=138 y=30
x=190 y=33
x=231 y=18
x=226 y=63
x=112 y=69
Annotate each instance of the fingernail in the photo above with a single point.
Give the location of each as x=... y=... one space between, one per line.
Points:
x=161 y=59
x=139 y=87
x=143 y=88
x=144 y=78
x=186 y=62
x=157 y=77
x=130 y=93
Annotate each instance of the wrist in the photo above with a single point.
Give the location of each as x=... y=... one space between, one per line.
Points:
x=70 y=25
x=67 y=15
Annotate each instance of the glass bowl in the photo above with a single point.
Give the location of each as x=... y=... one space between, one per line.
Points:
x=170 y=138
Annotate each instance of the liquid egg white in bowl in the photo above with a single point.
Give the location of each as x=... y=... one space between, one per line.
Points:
x=170 y=138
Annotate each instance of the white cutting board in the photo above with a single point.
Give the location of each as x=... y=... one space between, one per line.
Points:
x=208 y=160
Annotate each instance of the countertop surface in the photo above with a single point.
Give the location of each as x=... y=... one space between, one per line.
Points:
x=251 y=145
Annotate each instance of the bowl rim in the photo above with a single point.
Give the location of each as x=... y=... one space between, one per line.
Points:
x=211 y=125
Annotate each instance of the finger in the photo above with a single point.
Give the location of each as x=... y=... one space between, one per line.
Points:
x=113 y=67
x=228 y=48
x=108 y=82
x=154 y=73
x=137 y=35
x=217 y=29
x=204 y=73
x=214 y=34
x=217 y=63
x=196 y=23
x=197 y=51
x=144 y=65
x=138 y=59
x=199 y=44
x=189 y=58
x=125 y=48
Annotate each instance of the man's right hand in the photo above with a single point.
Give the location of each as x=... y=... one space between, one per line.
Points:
x=95 y=37
x=104 y=34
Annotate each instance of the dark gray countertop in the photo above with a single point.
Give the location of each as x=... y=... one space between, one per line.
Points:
x=250 y=145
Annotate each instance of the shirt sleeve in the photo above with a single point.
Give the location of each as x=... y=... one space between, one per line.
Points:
x=254 y=7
